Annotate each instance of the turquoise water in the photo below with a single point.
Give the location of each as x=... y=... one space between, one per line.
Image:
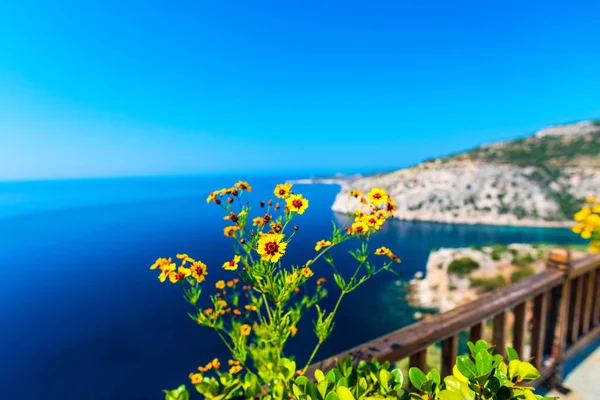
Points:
x=83 y=318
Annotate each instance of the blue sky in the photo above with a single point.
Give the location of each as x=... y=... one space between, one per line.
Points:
x=113 y=88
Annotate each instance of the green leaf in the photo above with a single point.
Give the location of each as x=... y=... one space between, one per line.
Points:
x=180 y=393
x=384 y=378
x=466 y=367
x=512 y=354
x=344 y=393
x=417 y=377
x=434 y=376
x=483 y=363
x=448 y=395
x=398 y=378
x=332 y=396
x=323 y=387
x=527 y=372
x=319 y=376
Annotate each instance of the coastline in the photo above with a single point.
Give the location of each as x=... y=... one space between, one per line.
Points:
x=526 y=223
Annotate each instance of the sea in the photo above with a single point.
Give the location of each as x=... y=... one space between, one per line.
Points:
x=83 y=317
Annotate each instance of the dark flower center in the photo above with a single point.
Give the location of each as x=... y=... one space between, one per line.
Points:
x=297 y=203
x=271 y=248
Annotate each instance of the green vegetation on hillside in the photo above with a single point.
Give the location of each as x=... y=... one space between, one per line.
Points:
x=462 y=266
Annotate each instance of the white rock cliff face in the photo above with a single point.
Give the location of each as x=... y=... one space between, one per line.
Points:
x=461 y=190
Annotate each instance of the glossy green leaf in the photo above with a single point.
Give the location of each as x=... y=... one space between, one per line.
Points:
x=466 y=367
x=384 y=378
x=332 y=396
x=398 y=378
x=434 y=376
x=344 y=393
x=417 y=377
x=448 y=395
x=512 y=354
x=319 y=375
x=180 y=393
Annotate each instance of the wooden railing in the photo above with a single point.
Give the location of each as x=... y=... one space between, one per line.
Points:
x=565 y=316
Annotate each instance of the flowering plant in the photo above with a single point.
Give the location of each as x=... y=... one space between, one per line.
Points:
x=256 y=322
x=588 y=223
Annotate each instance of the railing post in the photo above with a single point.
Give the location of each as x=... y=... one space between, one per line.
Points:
x=560 y=259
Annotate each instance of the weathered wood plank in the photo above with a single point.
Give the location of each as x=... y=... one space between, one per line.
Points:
x=538 y=332
x=500 y=333
x=449 y=353
x=588 y=301
x=476 y=331
x=584 y=265
x=407 y=341
x=418 y=360
x=575 y=312
x=519 y=328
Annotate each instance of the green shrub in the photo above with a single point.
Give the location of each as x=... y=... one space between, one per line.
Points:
x=521 y=273
x=488 y=284
x=463 y=266
x=522 y=261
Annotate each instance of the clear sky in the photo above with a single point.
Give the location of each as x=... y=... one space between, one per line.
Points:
x=113 y=88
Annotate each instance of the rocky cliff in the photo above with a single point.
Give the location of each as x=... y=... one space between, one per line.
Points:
x=534 y=181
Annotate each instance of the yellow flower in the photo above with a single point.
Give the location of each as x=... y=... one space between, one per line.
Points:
x=166 y=271
x=258 y=221
x=235 y=369
x=195 y=378
x=382 y=251
x=306 y=272
x=293 y=330
x=208 y=311
x=321 y=244
x=237 y=312
x=250 y=307
x=356 y=193
x=582 y=214
x=359 y=227
x=161 y=262
x=243 y=186
x=229 y=231
x=185 y=258
x=211 y=197
x=596 y=208
x=270 y=246
x=378 y=196
x=181 y=273
x=220 y=285
x=233 y=362
x=282 y=190
x=586 y=234
x=199 y=270
x=321 y=281
x=373 y=221
x=232 y=265
x=215 y=363
x=291 y=278
x=297 y=203
x=222 y=303
x=390 y=207
x=591 y=200
x=245 y=329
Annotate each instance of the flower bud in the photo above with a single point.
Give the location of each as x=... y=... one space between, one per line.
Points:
x=230 y=200
x=270 y=202
x=296 y=227
x=242 y=240
x=217 y=200
x=277 y=206
x=262 y=203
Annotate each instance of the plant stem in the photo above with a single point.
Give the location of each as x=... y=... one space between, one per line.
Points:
x=314 y=353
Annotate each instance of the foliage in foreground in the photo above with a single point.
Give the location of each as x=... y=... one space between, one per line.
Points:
x=481 y=375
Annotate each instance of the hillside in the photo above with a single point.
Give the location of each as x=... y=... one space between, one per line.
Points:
x=539 y=180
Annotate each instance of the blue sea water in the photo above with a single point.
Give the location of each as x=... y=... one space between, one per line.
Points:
x=82 y=316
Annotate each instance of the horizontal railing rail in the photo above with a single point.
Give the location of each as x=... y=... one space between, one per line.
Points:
x=565 y=315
